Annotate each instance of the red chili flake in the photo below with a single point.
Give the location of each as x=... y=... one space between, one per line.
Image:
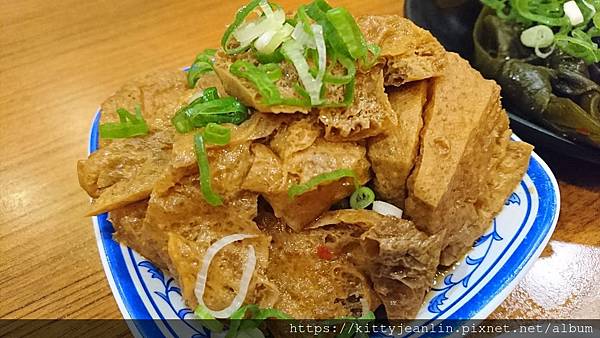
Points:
x=324 y=252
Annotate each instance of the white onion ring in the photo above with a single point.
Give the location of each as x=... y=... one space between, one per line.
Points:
x=387 y=209
x=249 y=267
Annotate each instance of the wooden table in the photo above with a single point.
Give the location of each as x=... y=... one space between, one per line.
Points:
x=60 y=59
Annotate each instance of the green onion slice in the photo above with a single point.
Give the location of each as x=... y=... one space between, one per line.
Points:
x=209 y=108
x=299 y=189
x=128 y=125
x=202 y=64
x=253 y=316
x=262 y=79
x=217 y=134
x=240 y=16
x=550 y=15
x=317 y=11
x=540 y=36
x=348 y=65
x=362 y=198
x=273 y=71
x=207 y=320
x=349 y=32
x=275 y=57
x=205 y=179
x=266 y=88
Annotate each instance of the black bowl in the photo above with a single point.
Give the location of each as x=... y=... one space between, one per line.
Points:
x=451 y=22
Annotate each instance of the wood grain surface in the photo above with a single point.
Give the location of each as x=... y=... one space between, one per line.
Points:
x=60 y=59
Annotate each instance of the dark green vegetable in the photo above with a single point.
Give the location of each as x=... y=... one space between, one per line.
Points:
x=202 y=64
x=557 y=92
x=205 y=179
x=128 y=125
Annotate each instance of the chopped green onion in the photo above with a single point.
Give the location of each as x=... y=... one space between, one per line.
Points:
x=275 y=57
x=303 y=20
x=540 y=36
x=202 y=64
x=273 y=71
x=551 y=15
x=207 y=320
x=268 y=43
x=240 y=321
x=332 y=176
x=263 y=82
x=294 y=52
x=374 y=51
x=349 y=31
x=362 y=198
x=205 y=179
x=240 y=16
x=322 y=4
x=266 y=88
x=317 y=11
x=217 y=134
x=209 y=108
x=182 y=121
x=208 y=94
x=128 y=125
x=348 y=64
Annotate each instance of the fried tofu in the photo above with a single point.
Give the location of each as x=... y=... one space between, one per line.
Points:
x=370 y=114
x=258 y=127
x=225 y=271
x=503 y=178
x=399 y=259
x=272 y=176
x=124 y=171
x=311 y=284
x=393 y=154
x=246 y=92
x=408 y=53
x=454 y=149
x=128 y=222
x=177 y=203
x=464 y=139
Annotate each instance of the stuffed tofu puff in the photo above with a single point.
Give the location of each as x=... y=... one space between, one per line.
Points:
x=250 y=178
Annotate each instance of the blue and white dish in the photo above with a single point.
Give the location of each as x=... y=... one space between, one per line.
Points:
x=471 y=290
